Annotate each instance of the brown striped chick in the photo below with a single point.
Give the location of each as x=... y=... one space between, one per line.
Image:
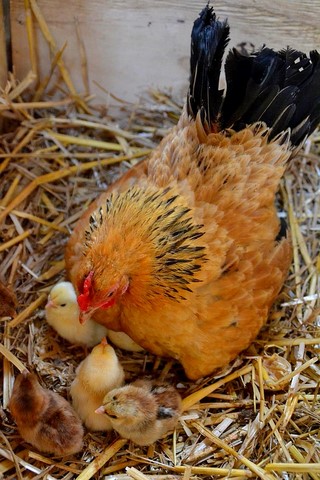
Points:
x=143 y=411
x=45 y=419
x=62 y=314
x=96 y=375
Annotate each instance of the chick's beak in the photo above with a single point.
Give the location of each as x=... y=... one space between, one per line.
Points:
x=50 y=304
x=100 y=410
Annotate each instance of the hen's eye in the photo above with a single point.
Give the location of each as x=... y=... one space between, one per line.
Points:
x=63 y=304
x=110 y=294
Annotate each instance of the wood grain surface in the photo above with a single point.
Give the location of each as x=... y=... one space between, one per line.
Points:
x=134 y=45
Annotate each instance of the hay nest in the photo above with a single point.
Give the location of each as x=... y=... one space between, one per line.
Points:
x=259 y=418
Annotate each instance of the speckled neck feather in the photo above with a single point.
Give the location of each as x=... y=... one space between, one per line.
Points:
x=166 y=228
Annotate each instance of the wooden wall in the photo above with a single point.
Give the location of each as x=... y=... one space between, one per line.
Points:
x=138 y=44
x=3 y=46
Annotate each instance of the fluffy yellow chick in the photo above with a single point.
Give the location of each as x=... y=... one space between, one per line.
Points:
x=143 y=411
x=123 y=341
x=62 y=313
x=96 y=375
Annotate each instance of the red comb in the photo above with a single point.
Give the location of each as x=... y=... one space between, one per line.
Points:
x=83 y=298
x=87 y=283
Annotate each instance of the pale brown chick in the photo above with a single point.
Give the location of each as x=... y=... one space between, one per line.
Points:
x=142 y=411
x=184 y=253
x=96 y=375
x=45 y=419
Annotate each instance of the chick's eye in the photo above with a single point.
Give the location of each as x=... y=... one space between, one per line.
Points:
x=63 y=304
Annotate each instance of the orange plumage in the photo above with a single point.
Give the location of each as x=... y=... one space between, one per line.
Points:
x=182 y=253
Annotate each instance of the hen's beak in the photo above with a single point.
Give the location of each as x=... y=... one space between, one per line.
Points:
x=84 y=316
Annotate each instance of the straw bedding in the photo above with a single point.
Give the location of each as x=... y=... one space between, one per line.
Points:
x=259 y=418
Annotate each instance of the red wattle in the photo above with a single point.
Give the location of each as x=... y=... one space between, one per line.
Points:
x=83 y=302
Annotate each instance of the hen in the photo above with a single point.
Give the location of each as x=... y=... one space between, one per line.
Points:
x=184 y=253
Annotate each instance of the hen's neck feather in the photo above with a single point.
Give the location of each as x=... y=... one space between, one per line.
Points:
x=148 y=235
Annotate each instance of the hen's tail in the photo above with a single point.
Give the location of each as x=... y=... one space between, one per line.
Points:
x=281 y=88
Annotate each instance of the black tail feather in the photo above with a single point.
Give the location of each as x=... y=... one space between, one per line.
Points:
x=281 y=88
x=209 y=39
x=280 y=104
x=256 y=77
x=288 y=93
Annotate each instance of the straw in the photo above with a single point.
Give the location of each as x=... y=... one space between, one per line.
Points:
x=101 y=460
x=57 y=155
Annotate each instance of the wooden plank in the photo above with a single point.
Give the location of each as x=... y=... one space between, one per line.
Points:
x=3 y=48
x=134 y=45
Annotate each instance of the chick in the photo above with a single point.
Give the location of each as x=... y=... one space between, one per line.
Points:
x=44 y=418
x=8 y=301
x=62 y=313
x=123 y=341
x=96 y=375
x=143 y=411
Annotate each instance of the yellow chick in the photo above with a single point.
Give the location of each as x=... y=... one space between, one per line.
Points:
x=142 y=411
x=62 y=313
x=96 y=375
x=123 y=341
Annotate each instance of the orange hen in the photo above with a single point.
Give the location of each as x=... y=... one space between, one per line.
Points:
x=183 y=253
